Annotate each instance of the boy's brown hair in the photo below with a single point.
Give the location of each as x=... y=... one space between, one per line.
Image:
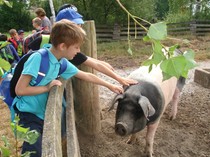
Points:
x=12 y=32
x=40 y=12
x=66 y=32
x=37 y=21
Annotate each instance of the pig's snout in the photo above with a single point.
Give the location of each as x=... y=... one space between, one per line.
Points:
x=121 y=128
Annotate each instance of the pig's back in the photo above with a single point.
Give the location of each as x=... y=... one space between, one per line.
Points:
x=155 y=76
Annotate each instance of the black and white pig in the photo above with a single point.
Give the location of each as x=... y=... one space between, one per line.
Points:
x=143 y=104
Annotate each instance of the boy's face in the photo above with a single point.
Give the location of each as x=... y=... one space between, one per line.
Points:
x=71 y=51
x=15 y=36
x=21 y=35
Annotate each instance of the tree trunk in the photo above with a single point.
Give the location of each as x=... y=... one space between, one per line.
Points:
x=52 y=11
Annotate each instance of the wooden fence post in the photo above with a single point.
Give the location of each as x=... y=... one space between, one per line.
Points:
x=193 y=27
x=87 y=109
x=116 y=32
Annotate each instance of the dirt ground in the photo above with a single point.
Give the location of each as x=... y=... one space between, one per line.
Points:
x=186 y=136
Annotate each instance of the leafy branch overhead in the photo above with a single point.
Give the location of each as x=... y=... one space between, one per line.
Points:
x=170 y=64
x=6 y=2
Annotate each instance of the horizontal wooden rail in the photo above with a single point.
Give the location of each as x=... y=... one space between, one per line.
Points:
x=118 y=32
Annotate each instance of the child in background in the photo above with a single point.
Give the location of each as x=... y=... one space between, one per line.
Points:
x=15 y=40
x=37 y=24
x=21 y=35
x=30 y=103
x=7 y=50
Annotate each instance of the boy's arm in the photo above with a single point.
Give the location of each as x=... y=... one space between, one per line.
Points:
x=94 y=79
x=24 y=88
x=108 y=70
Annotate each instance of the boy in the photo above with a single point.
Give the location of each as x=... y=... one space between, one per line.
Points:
x=69 y=12
x=15 y=40
x=37 y=24
x=30 y=104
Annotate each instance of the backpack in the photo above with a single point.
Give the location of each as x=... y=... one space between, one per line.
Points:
x=7 y=87
x=6 y=51
x=17 y=45
x=29 y=39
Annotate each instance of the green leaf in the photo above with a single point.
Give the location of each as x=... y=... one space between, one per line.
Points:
x=130 y=51
x=32 y=136
x=158 y=54
x=172 y=49
x=18 y=128
x=4 y=64
x=146 y=38
x=189 y=56
x=28 y=154
x=7 y=3
x=4 y=139
x=5 y=152
x=148 y=62
x=174 y=67
x=158 y=31
x=25 y=134
x=166 y=76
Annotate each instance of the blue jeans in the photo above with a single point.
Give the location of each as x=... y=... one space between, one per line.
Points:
x=29 y=120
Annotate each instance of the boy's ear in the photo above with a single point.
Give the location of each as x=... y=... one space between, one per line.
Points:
x=62 y=46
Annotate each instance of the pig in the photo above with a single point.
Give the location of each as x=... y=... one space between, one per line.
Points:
x=142 y=105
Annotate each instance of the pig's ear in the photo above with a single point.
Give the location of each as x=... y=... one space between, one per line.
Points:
x=116 y=98
x=146 y=106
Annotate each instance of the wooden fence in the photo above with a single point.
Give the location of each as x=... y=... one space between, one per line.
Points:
x=120 y=32
x=52 y=144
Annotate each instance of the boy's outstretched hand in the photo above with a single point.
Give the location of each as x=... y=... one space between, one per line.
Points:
x=127 y=81
x=116 y=89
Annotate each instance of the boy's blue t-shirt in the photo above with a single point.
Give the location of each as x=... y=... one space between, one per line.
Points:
x=36 y=104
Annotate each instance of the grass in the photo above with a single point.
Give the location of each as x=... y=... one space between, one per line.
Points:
x=200 y=45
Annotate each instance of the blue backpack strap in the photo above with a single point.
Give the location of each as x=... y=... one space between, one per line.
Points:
x=44 y=66
x=47 y=46
x=63 y=66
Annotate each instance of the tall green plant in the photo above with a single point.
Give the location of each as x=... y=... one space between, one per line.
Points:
x=21 y=134
x=170 y=65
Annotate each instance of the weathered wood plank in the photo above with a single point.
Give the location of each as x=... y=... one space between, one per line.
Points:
x=72 y=140
x=51 y=142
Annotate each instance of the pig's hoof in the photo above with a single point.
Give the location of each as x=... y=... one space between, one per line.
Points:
x=131 y=141
x=148 y=155
x=101 y=115
x=172 y=117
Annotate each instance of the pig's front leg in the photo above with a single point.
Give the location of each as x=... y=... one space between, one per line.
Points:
x=174 y=104
x=151 y=129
